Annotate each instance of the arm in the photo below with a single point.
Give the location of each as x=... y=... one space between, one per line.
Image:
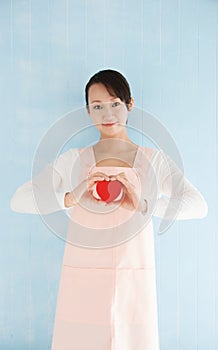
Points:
x=45 y=193
x=181 y=200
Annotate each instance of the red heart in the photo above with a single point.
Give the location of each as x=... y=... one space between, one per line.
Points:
x=108 y=190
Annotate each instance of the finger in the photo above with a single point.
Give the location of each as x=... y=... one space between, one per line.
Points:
x=128 y=185
x=122 y=179
x=112 y=178
x=100 y=173
x=121 y=174
x=100 y=176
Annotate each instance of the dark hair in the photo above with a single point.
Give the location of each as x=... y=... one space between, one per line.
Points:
x=114 y=82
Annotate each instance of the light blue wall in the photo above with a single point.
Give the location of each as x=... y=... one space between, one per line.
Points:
x=168 y=52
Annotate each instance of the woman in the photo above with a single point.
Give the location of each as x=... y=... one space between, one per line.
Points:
x=107 y=296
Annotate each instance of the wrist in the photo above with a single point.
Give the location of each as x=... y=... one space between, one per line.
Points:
x=69 y=200
x=66 y=200
x=143 y=207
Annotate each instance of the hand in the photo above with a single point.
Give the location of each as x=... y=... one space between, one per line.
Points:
x=90 y=183
x=95 y=177
x=130 y=199
x=83 y=190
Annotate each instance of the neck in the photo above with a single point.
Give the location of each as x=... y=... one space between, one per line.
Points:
x=115 y=144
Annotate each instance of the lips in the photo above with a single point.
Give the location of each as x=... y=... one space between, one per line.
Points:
x=109 y=124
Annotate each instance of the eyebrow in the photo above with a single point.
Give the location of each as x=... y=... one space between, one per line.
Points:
x=102 y=101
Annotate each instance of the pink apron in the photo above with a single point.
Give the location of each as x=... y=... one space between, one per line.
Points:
x=107 y=296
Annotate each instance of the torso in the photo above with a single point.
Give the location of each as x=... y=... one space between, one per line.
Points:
x=125 y=159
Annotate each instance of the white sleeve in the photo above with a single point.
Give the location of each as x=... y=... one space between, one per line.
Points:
x=182 y=200
x=45 y=193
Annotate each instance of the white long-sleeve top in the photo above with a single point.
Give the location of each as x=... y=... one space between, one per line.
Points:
x=45 y=192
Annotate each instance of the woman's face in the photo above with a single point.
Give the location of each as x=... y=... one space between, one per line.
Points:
x=108 y=113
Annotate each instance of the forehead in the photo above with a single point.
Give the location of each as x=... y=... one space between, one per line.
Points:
x=99 y=93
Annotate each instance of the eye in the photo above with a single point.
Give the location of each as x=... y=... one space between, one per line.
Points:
x=115 y=104
x=97 y=107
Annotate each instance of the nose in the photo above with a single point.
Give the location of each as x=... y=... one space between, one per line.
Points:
x=108 y=114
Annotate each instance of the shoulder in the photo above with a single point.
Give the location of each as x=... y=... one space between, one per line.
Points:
x=71 y=153
x=67 y=158
x=150 y=153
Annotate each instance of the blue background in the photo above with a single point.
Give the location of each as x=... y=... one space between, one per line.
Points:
x=168 y=52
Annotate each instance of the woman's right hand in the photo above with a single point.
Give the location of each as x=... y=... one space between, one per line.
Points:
x=84 y=190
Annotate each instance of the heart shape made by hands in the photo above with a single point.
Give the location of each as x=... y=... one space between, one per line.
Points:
x=108 y=190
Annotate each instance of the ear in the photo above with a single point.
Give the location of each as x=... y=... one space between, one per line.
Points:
x=88 y=110
x=131 y=104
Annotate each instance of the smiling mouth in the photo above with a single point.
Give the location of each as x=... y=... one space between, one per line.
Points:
x=109 y=124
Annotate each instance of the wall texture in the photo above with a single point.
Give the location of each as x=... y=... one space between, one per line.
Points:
x=168 y=50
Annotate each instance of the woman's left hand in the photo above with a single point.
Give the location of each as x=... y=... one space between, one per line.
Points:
x=130 y=199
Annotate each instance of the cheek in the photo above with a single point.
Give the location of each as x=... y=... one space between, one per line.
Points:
x=97 y=122
x=95 y=118
x=122 y=114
